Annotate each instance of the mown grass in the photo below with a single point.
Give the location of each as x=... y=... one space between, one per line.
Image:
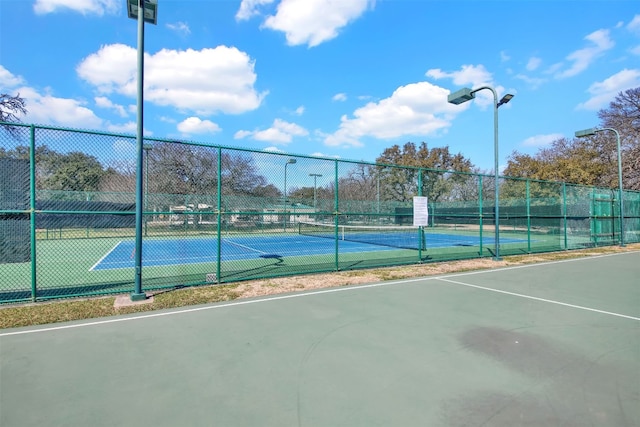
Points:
x=12 y=316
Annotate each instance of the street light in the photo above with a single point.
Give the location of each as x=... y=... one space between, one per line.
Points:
x=315 y=176
x=467 y=94
x=289 y=162
x=592 y=132
x=150 y=15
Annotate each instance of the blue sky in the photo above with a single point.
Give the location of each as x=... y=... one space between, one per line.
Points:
x=333 y=78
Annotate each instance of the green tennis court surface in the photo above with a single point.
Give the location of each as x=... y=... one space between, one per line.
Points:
x=554 y=344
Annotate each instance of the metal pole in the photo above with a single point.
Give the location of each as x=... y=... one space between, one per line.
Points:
x=137 y=294
x=32 y=212
x=315 y=176
x=620 y=189
x=146 y=148
x=315 y=196
x=284 y=204
x=496 y=171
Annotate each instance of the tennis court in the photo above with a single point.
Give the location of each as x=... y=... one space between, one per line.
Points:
x=203 y=250
x=535 y=345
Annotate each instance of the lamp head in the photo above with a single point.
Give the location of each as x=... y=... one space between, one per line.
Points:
x=291 y=161
x=150 y=12
x=505 y=99
x=463 y=95
x=586 y=132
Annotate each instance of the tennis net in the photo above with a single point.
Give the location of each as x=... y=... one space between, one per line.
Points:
x=403 y=237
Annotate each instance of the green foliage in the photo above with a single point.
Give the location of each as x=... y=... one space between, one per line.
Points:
x=400 y=183
x=592 y=160
x=74 y=171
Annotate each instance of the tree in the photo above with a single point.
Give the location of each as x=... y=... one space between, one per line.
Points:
x=11 y=107
x=592 y=160
x=623 y=115
x=74 y=171
x=401 y=183
x=176 y=168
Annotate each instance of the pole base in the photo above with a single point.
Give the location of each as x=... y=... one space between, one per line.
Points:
x=138 y=297
x=497 y=258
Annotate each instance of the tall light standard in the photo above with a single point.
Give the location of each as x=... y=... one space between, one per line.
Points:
x=467 y=94
x=289 y=162
x=592 y=132
x=315 y=177
x=149 y=14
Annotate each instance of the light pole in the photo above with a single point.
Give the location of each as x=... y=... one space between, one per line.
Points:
x=315 y=176
x=467 y=94
x=592 y=132
x=289 y=162
x=149 y=14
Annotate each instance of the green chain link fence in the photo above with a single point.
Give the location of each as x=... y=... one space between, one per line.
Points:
x=215 y=214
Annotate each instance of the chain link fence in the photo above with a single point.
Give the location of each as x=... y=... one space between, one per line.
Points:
x=214 y=214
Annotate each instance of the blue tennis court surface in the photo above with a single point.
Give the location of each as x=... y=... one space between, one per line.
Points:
x=203 y=250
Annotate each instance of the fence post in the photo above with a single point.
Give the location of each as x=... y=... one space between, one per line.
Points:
x=32 y=209
x=564 y=213
x=336 y=216
x=480 y=207
x=420 y=234
x=528 y=196
x=219 y=196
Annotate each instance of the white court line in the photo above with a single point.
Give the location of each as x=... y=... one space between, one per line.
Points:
x=243 y=246
x=105 y=255
x=320 y=292
x=550 y=301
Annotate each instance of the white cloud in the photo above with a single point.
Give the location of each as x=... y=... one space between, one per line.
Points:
x=635 y=50
x=474 y=75
x=196 y=125
x=203 y=81
x=605 y=91
x=319 y=154
x=634 y=25
x=339 y=97
x=9 y=80
x=104 y=102
x=470 y=76
x=299 y=111
x=180 y=27
x=582 y=58
x=85 y=7
x=534 y=63
x=51 y=110
x=281 y=132
x=249 y=8
x=534 y=82
x=242 y=134
x=313 y=22
x=504 y=57
x=541 y=140
x=129 y=127
x=415 y=109
x=273 y=150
